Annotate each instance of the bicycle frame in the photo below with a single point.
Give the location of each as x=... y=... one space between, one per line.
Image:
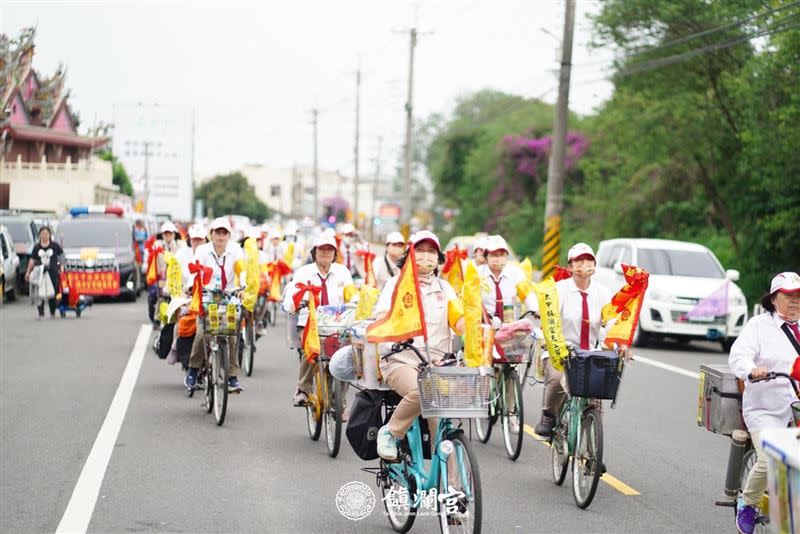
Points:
x=574 y=407
x=320 y=403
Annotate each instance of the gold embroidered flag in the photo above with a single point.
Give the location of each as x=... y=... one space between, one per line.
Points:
x=625 y=306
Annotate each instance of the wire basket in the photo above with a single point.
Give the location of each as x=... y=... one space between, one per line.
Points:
x=332 y=341
x=516 y=349
x=454 y=392
x=221 y=319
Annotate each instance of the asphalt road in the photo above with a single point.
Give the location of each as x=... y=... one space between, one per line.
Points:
x=172 y=470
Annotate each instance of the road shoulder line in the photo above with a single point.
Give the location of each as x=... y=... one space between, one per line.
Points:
x=667 y=367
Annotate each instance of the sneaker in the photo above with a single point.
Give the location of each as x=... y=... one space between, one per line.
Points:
x=387 y=444
x=746 y=517
x=233 y=385
x=343 y=415
x=513 y=423
x=300 y=398
x=191 y=379
x=545 y=425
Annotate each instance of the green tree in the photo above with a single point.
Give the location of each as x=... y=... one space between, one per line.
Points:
x=232 y=194
x=118 y=172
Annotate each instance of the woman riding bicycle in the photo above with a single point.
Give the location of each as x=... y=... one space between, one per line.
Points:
x=581 y=301
x=386 y=267
x=443 y=312
x=769 y=342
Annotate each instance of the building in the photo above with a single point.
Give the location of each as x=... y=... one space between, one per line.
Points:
x=45 y=165
x=155 y=143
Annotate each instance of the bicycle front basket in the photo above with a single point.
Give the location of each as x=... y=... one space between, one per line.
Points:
x=594 y=375
x=796 y=413
x=221 y=319
x=517 y=348
x=454 y=392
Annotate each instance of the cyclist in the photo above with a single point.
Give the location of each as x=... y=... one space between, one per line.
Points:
x=275 y=248
x=443 y=314
x=386 y=267
x=221 y=256
x=478 y=256
x=351 y=244
x=167 y=243
x=580 y=302
x=334 y=279
x=769 y=342
x=197 y=236
x=260 y=312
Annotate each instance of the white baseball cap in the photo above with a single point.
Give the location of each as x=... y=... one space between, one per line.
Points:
x=274 y=234
x=197 y=231
x=480 y=243
x=253 y=233
x=787 y=282
x=221 y=222
x=324 y=238
x=495 y=242
x=579 y=249
x=425 y=235
x=168 y=227
x=395 y=237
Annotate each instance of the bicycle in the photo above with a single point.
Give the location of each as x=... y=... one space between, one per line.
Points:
x=246 y=349
x=740 y=463
x=220 y=329
x=326 y=401
x=445 y=392
x=578 y=430
x=508 y=402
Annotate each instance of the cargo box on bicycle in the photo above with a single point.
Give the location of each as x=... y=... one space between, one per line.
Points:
x=595 y=375
x=719 y=402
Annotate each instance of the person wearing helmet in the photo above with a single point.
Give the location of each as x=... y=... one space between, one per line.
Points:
x=386 y=267
x=333 y=278
x=444 y=315
x=581 y=301
x=221 y=255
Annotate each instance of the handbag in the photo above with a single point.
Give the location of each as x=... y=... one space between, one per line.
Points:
x=366 y=418
x=46 y=289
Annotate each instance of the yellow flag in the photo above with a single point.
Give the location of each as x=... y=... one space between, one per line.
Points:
x=366 y=302
x=252 y=276
x=625 y=306
x=527 y=268
x=473 y=313
x=289 y=256
x=550 y=311
x=406 y=317
x=311 y=344
x=174 y=282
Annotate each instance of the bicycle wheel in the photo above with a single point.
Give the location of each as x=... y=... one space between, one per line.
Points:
x=398 y=500
x=588 y=458
x=512 y=419
x=249 y=349
x=219 y=372
x=748 y=463
x=314 y=410
x=333 y=415
x=209 y=391
x=459 y=499
x=558 y=445
x=484 y=425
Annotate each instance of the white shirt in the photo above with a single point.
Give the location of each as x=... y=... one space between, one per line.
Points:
x=762 y=343
x=206 y=256
x=338 y=278
x=350 y=256
x=435 y=299
x=510 y=277
x=185 y=256
x=382 y=272
x=571 y=306
x=275 y=252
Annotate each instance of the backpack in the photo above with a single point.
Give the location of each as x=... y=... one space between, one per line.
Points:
x=163 y=342
x=366 y=417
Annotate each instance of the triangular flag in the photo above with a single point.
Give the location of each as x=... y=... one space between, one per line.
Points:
x=625 y=306
x=406 y=317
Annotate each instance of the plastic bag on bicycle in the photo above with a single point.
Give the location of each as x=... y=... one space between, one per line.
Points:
x=593 y=374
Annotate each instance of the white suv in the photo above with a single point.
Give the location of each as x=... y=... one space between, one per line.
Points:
x=681 y=274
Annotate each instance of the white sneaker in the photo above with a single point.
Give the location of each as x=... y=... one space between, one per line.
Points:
x=387 y=444
x=513 y=421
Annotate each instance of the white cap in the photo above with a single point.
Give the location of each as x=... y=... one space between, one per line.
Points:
x=274 y=234
x=347 y=228
x=197 y=231
x=395 y=237
x=324 y=239
x=221 y=222
x=253 y=233
x=579 y=249
x=787 y=282
x=425 y=235
x=265 y=228
x=495 y=242
x=168 y=227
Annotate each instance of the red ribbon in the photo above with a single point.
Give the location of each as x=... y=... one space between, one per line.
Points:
x=450 y=258
x=303 y=289
x=561 y=273
x=199 y=269
x=636 y=284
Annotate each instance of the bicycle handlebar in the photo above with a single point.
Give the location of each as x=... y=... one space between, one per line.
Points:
x=772 y=375
x=449 y=358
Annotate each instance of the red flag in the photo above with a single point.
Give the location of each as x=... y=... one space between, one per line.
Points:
x=561 y=273
x=310 y=342
x=202 y=276
x=369 y=273
x=453 y=270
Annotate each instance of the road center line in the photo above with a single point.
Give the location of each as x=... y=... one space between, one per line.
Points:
x=667 y=367
x=614 y=482
x=84 y=497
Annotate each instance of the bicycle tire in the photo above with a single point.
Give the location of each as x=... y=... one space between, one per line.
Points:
x=586 y=467
x=247 y=352
x=209 y=392
x=333 y=415
x=399 y=522
x=471 y=476
x=484 y=425
x=313 y=411
x=513 y=443
x=219 y=367
x=748 y=462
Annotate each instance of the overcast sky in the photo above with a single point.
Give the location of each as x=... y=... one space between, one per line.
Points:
x=253 y=70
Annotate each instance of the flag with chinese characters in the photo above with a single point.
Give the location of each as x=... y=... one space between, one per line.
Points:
x=310 y=342
x=714 y=305
x=550 y=311
x=453 y=270
x=406 y=317
x=625 y=306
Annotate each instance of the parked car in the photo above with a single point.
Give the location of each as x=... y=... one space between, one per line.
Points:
x=23 y=231
x=9 y=280
x=681 y=274
x=97 y=243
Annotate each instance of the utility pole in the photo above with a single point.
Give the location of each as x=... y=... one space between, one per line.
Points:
x=555 y=171
x=315 y=115
x=355 y=150
x=406 y=226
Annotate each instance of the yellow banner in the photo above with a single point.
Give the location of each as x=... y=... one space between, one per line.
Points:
x=174 y=282
x=252 y=275
x=473 y=314
x=550 y=312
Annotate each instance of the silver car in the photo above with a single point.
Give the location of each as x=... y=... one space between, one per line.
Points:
x=10 y=264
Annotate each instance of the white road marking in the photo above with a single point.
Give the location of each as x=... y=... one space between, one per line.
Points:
x=667 y=367
x=84 y=497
